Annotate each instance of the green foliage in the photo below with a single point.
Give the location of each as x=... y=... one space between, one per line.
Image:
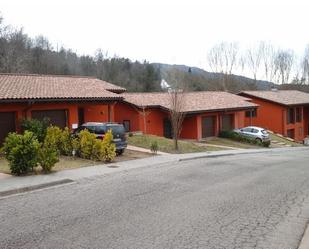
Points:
x=60 y=140
x=130 y=134
x=241 y=138
x=109 y=148
x=66 y=142
x=22 y=152
x=91 y=148
x=37 y=127
x=48 y=157
x=86 y=144
x=154 y=147
x=53 y=138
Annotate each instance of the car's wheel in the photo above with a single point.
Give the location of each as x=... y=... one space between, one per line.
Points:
x=119 y=152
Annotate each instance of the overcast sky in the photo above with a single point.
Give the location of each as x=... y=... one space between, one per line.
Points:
x=177 y=32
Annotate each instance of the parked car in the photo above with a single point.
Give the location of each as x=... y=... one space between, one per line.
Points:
x=254 y=132
x=99 y=129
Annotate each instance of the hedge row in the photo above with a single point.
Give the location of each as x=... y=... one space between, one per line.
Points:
x=41 y=146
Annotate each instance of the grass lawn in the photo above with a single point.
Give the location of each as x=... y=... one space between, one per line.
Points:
x=230 y=143
x=283 y=140
x=167 y=145
x=66 y=162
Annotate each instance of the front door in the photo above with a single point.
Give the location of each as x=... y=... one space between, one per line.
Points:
x=167 y=128
x=81 y=116
x=208 y=126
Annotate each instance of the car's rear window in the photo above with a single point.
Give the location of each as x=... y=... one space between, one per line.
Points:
x=99 y=130
x=116 y=129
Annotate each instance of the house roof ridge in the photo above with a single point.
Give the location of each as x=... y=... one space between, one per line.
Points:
x=51 y=75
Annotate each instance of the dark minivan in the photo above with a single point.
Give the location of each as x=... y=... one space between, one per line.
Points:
x=99 y=129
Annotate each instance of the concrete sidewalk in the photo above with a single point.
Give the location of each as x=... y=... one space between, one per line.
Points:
x=13 y=185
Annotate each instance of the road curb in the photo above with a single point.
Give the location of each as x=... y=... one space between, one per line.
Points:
x=232 y=153
x=35 y=187
x=220 y=155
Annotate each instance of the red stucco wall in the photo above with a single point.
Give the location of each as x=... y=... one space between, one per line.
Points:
x=93 y=112
x=192 y=124
x=273 y=117
x=190 y=128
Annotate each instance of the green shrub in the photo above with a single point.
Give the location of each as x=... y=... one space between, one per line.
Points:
x=130 y=134
x=154 y=147
x=48 y=157
x=22 y=152
x=37 y=127
x=98 y=150
x=66 y=142
x=53 y=138
x=86 y=144
x=109 y=148
x=75 y=146
x=59 y=139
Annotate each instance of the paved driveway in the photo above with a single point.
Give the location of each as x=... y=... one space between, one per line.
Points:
x=241 y=201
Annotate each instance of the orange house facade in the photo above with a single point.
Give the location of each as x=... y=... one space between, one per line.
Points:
x=206 y=113
x=283 y=111
x=64 y=100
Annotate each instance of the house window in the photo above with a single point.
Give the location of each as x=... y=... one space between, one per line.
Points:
x=291 y=116
x=299 y=116
x=251 y=113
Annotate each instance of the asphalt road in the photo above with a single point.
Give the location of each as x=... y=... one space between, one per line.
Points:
x=244 y=201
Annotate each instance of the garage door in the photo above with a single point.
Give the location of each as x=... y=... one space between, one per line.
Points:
x=7 y=124
x=208 y=126
x=55 y=117
x=227 y=122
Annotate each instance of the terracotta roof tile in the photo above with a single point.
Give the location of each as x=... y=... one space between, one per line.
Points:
x=283 y=97
x=194 y=101
x=22 y=86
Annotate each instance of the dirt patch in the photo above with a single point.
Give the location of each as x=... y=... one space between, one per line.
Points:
x=131 y=155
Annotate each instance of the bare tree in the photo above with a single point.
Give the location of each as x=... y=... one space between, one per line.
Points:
x=284 y=61
x=177 y=101
x=305 y=65
x=268 y=56
x=223 y=58
x=253 y=59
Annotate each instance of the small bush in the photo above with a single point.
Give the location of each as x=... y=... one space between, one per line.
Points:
x=53 y=138
x=48 y=157
x=98 y=150
x=22 y=152
x=66 y=142
x=37 y=127
x=87 y=141
x=154 y=147
x=130 y=134
x=109 y=148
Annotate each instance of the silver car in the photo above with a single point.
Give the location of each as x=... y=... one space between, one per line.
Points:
x=254 y=132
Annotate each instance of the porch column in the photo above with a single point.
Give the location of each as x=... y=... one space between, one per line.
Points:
x=111 y=113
